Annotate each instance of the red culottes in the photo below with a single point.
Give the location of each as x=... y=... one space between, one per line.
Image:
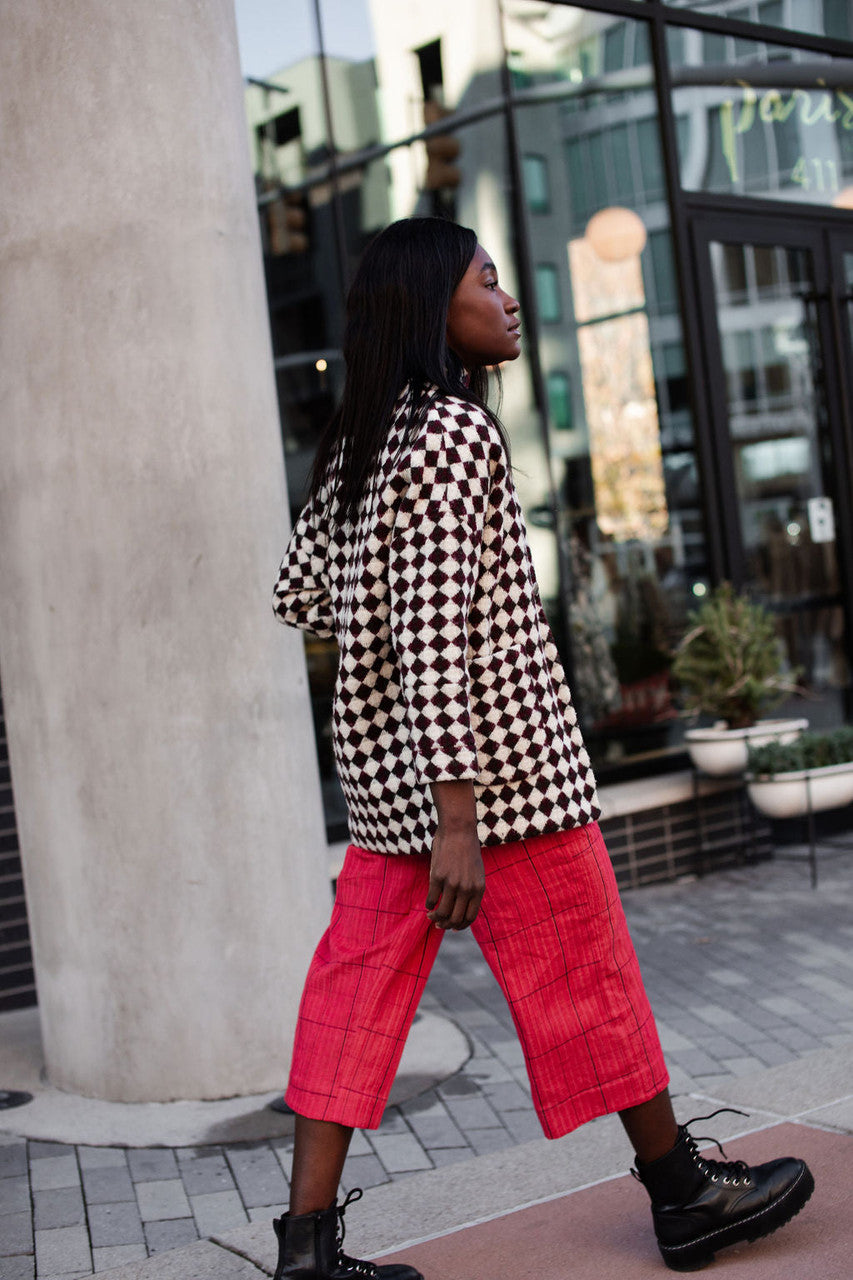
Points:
x=553 y=932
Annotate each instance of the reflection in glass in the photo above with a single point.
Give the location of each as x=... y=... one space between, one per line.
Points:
x=813 y=17
x=848 y=294
x=779 y=124
x=559 y=400
x=606 y=277
x=785 y=486
x=623 y=450
x=620 y=403
x=535 y=169
x=289 y=138
x=661 y=288
x=615 y=434
x=547 y=293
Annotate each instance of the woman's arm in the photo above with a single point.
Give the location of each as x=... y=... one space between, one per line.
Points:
x=301 y=597
x=457 y=878
x=434 y=564
x=433 y=569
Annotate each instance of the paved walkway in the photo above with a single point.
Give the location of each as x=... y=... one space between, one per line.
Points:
x=747 y=970
x=603 y=1232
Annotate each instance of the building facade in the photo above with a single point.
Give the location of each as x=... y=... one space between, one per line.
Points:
x=668 y=189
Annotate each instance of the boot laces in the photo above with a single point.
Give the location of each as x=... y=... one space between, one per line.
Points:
x=346 y=1264
x=729 y=1172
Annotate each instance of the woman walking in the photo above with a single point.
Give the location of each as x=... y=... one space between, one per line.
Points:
x=471 y=799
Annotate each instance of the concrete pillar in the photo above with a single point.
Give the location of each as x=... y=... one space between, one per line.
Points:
x=159 y=721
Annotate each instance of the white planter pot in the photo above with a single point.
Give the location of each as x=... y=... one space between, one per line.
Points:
x=786 y=795
x=720 y=751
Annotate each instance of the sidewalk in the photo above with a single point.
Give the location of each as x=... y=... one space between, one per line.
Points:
x=750 y=973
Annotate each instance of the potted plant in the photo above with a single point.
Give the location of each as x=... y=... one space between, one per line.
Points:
x=729 y=666
x=813 y=773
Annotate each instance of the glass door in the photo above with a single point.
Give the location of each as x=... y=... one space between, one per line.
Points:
x=778 y=325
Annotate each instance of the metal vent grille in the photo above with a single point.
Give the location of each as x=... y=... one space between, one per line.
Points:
x=17 y=979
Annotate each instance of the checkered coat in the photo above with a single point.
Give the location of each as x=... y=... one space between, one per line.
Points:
x=448 y=668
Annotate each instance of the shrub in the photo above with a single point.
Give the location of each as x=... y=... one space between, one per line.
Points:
x=729 y=663
x=809 y=751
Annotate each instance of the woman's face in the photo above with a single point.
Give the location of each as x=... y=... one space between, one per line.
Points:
x=482 y=323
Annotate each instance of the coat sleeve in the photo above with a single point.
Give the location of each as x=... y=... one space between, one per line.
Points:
x=301 y=597
x=433 y=568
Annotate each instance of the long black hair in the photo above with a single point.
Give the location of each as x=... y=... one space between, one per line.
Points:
x=395 y=336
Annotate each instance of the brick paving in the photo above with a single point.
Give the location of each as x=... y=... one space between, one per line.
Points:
x=746 y=969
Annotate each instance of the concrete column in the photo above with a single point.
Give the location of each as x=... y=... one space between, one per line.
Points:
x=159 y=721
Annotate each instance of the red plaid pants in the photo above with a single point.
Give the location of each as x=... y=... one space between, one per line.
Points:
x=553 y=932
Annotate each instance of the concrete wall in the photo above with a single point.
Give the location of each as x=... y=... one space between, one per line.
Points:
x=158 y=717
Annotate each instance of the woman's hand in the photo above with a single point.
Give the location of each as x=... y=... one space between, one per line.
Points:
x=457 y=878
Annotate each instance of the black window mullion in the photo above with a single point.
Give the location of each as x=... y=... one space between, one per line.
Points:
x=694 y=353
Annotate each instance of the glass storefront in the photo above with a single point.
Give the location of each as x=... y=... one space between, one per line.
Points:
x=773 y=396
x=833 y=18
x=621 y=436
x=763 y=120
x=681 y=412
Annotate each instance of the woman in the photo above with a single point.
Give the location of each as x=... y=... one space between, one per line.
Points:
x=470 y=794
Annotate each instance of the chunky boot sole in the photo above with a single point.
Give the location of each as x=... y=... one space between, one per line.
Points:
x=693 y=1255
x=310 y=1247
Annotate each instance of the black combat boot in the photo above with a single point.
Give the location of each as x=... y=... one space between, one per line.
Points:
x=699 y=1205
x=310 y=1247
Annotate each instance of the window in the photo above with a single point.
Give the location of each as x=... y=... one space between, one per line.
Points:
x=624 y=184
x=651 y=160
x=286 y=127
x=832 y=18
x=642 y=46
x=675 y=377
x=779 y=129
x=599 y=185
x=560 y=401
x=740 y=362
x=659 y=269
x=548 y=294
x=837 y=19
x=536 y=183
x=432 y=74
x=713 y=48
x=675 y=44
x=770 y=13
x=579 y=182
x=614 y=47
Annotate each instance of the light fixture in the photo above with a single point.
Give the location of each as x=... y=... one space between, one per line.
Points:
x=321 y=365
x=615 y=234
x=844 y=199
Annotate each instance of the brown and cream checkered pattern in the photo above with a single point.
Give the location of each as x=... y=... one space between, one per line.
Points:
x=447 y=664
